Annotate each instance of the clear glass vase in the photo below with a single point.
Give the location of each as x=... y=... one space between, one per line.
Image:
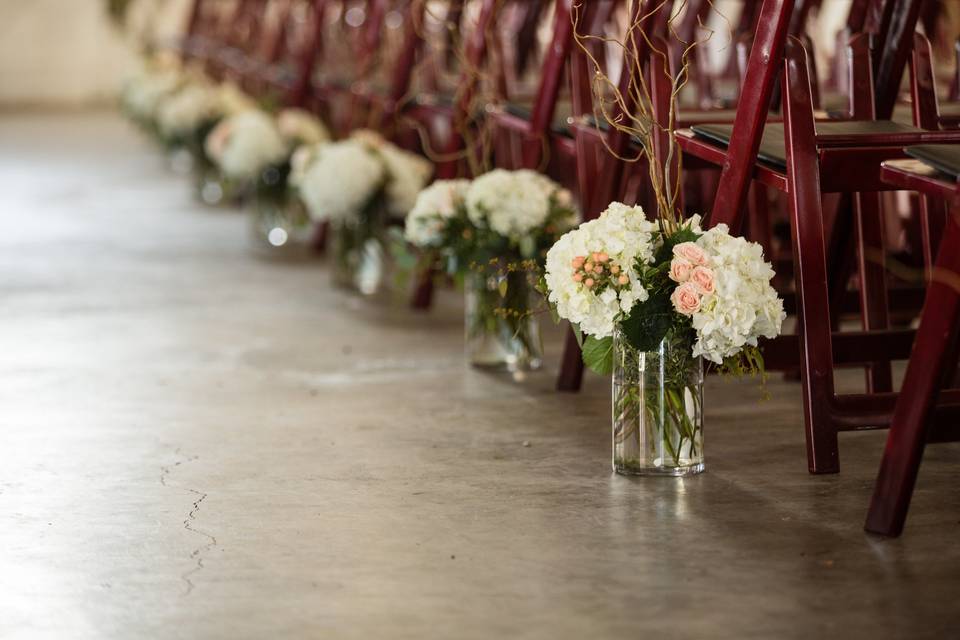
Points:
x=657 y=408
x=360 y=253
x=280 y=223
x=502 y=329
x=210 y=186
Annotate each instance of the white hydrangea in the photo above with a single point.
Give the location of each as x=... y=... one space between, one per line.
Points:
x=408 y=174
x=143 y=94
x=625 y=235
x=301 y=127
x=233 y=100
x=434 y=206
x=743 y=305
x=512 y=203
x=185 y=111
x=246 y=143
x=338 y=179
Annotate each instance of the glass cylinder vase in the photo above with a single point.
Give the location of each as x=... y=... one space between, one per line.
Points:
x=279 y=219
x=657 y=408
x=502 y=330
x=360 y=253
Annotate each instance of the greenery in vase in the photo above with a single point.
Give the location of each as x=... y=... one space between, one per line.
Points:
x=656 y=410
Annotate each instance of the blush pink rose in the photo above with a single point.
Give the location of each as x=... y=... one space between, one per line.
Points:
x=686 y=299
x=680 y=270
x=702 y=279
x=216 y=142
x=691 y=252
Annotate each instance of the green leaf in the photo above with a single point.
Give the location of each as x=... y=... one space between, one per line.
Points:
x=598 y=354
x=578 y=333
x=648 y=322
x=502 y=287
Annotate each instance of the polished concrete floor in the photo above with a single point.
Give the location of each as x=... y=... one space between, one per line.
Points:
x=197 y=441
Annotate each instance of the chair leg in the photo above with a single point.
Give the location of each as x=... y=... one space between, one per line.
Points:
x=933 y=359
x=813 y=296
x=932 y=219
x=321 y=232
x=873 y=282
x=422 y=298
x=571 y=365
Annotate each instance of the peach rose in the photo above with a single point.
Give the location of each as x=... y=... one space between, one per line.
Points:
x=686 y=299
x=680 y=270
x=217 y=140
x=702 y=279
x=691 y=252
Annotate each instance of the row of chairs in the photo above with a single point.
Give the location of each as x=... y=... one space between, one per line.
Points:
x=512 y=82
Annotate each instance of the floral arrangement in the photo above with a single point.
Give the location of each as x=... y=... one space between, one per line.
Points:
x=339 y=180
x=244 y=144
x=509 y=216
x=622 y=271
x=143 y=93
x=299 y=127
x=359 y=185
x=648 y=300
x=493 y=233
x=183 y=113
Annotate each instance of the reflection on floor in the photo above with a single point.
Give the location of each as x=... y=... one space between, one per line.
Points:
x=198 y=442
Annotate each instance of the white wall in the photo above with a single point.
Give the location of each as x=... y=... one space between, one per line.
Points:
x=68 y=52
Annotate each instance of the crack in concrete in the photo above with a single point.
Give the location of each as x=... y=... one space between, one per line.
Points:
x=197 y=554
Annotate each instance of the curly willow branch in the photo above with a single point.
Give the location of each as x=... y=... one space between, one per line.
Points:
x=632 y=111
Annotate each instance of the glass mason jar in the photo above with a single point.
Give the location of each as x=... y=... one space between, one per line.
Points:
x=657 y=408
x=360 y=253
x=209 y=184
x=280 y=223
x=180 y=160
x=502 y=329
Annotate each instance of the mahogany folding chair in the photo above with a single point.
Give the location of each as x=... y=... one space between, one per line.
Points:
x=350 y=56
x=198 y=25
x=816 y=158
x=294 y=49
x=712 y=109
x=525 y=138
x=933 y=359
x=236 y=40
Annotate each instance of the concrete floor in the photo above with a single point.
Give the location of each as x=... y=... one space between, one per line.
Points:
x=196 y=442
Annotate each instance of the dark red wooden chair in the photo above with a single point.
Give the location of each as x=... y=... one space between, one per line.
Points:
x=813 y=159
x=350 y=55
x=933 y=359
x=293 y=50
x=227 y=51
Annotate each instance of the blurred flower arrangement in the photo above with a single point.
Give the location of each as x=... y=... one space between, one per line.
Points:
x=491 y=234
x=359 y=186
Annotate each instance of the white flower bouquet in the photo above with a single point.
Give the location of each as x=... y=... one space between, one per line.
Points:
x=492 y=234
x=185 y=113
x=143 y=94
x=300 y=127
x=359 y=185
x=648 y=304
x=242 y=145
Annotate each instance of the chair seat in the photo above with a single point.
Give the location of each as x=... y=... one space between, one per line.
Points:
x=560 y=124
x=772 y=150
x=945 y=158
